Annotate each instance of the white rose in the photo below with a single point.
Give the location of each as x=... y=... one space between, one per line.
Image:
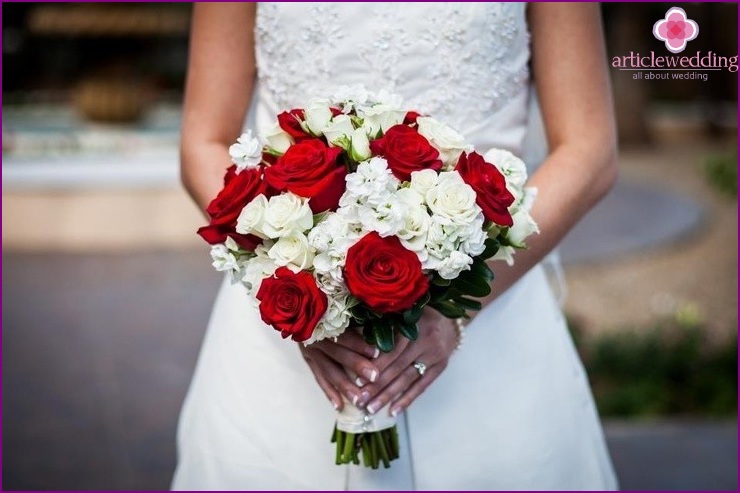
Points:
x=246 y=153
x=360 y=146
x=447 y=141
x=451 y=266
x=413 y=231
x=452 y=200
x=278 y=139
x=423 y=181
x=292 y=250
x=251 y=218
x=317 y=116
x=513 y=168
x=285 y=214
x=339 y=131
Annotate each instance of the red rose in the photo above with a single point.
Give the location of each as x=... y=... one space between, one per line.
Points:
x=292 y=303
x=490 y=187
x=239 y=190
x=310 y=169
x=384 y=275
x=290 y=121
x=406 y=151
x=410 y=118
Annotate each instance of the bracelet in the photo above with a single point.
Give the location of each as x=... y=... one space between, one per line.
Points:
x=460 y=327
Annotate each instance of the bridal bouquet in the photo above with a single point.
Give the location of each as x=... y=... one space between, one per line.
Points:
x=356 y=213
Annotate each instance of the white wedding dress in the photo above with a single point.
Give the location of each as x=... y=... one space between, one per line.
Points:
x=513 y=409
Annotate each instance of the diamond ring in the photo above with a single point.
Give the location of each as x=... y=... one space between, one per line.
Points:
x=420 y=367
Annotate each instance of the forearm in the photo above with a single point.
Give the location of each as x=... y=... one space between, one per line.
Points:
x=221 y=72
x=569 y=182
x=202 y=170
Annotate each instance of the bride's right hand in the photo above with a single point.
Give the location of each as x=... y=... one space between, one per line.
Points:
x=332 y=362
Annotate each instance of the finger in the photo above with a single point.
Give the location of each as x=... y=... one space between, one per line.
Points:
x=404 y=360
x=337 y=377
x=351 y=360
x=416 y=389
x=351 y=339
x=331 y=392
x=394 y=389
x=386 y=359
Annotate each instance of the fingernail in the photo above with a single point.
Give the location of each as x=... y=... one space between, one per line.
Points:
x=371 y=375
x=359 y=382
x=364 y=397
x=395 y=411
x=354 y=398
x=372 y=408
x=376 y=353
x=335 y=404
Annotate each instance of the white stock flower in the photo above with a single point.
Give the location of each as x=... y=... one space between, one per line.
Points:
x=335 y=321
x=246 y=153
x=386 y=218
x=292 y=250
x=387 y=98
x=258 y=268
x=251 y=218
x=339 y=130
x=372 y=183
x=381 y=117
x=423 y=181
x=473 y=238
x=349 y=97
x=224 y=259
x=447 y=141
x=278 y=139
x=523 y=226
x=513 y=168
x=452 y=265
x=505 y=253
x=285 y=214
x=317 y=116
x=452 y=200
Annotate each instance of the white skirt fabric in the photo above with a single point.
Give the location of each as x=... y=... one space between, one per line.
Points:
x=512 y=411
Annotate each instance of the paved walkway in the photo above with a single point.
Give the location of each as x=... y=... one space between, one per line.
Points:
x=98 y=351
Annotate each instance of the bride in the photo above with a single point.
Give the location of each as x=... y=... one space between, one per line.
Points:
x=511 y=407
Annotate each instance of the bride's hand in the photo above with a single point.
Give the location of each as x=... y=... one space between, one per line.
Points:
x=331 y=361
x=400 y=382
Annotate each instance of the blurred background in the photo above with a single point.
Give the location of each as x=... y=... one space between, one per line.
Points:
x=107 y=289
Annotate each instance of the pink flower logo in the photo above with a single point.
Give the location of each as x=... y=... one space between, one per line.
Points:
x=676 y=30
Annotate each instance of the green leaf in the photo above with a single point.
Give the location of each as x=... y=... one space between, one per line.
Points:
x=383 y=335
x=412 y=315
x=409 y=331
x=449 y=309
x=480 y=268
x=471 y=284
x=468 y=304
x=492 y=246
x=438 y=281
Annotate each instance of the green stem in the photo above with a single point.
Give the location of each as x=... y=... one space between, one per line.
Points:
x=348 y=444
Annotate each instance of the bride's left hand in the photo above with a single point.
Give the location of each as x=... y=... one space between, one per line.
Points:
x=400 y=382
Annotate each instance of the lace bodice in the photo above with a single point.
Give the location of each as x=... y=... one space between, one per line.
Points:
x=463 y=63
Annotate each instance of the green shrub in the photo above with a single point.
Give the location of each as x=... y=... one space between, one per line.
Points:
x=668 y=370
x=721 y=172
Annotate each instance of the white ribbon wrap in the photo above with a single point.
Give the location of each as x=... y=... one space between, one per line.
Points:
x=352 y=419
